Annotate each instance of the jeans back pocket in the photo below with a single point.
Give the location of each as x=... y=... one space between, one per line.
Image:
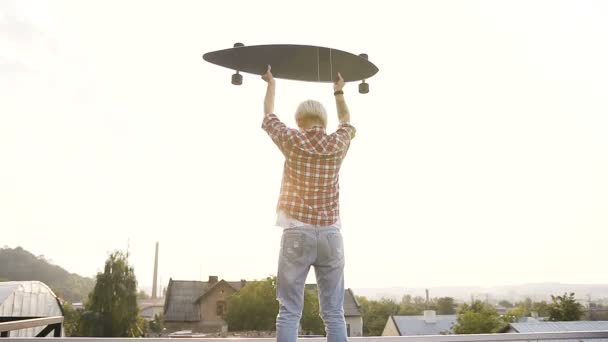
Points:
x=292 y=245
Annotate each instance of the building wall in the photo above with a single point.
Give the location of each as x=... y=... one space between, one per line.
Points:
x=390 y=329
x=355 y=325
x=208 y=306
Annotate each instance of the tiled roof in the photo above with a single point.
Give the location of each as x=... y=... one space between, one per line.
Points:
x=416 y=325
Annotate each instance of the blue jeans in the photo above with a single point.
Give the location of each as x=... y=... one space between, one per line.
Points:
x=301 y=248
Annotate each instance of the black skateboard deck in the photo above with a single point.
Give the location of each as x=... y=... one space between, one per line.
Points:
x=295 y=62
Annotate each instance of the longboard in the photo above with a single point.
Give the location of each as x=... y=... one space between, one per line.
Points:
x=294 y=62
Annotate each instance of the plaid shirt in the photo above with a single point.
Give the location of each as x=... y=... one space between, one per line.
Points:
x=310 y=189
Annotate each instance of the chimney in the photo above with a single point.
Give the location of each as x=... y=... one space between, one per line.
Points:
x=212 y=280
x=243 y=283
x=427 y=297
x=430 y=316
x=154 y=281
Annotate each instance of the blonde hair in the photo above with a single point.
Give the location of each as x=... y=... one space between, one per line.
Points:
x=311 y=112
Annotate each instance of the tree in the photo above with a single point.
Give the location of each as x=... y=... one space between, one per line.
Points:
x=157 y=324
x=565 y=308
x=407 y=307
x=527 y=307
x=111 y=310
x=445 y=306
x=478 y=318
x=254 y=307
x=506 y=304
x=517 y=312
x=376 y=313
x=411 y=305
x=541 y=308
x=142 y=295
x=71 y=320
x=311 y=320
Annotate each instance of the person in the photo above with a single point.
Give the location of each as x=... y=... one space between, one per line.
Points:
x=308 y=211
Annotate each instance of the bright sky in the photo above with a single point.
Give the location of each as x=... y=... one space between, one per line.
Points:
x=480 y=159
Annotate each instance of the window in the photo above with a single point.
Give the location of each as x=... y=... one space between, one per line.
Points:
x=220 y=308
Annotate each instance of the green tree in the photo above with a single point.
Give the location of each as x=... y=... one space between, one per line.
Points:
x=412 y=305
x=541 y=308
x=565 y=308
x=506 y=304
x=516 y=313
x=111 y=310
x=445 y=306
x=478 y=318
x=71 y=320
x=157 y=324
x=142 y=295
x=376 y=313
x=311 y=320
x=254 y=307
x=407 y=307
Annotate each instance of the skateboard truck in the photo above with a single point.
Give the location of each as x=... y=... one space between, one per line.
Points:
x=363 y=87
x=237 y=79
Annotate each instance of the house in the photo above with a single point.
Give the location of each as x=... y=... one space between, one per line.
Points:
x=352 y=312
x=543 y=326
x=428 y=324
x=198 y=305
x=27 y=299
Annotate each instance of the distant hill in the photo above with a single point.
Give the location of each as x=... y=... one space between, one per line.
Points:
x=536 y=291
x=18 y=264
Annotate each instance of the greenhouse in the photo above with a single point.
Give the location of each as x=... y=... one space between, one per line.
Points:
x=27 y=299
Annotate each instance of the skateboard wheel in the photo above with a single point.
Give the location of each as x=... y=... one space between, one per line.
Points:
x=363 y=88
x=239 y=44
x=363 y=55
x=237 y=79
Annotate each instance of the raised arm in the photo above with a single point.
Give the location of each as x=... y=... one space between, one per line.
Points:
x=269 y=98
x=343 y=113
x=278 y=131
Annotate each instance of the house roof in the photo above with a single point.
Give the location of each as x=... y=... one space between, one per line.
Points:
x=181 y=299
x=212 y=287
x=532 y=327
x=150 y=302
x=416 y=325
x=351 y=306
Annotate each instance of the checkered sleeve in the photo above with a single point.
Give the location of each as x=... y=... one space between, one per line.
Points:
x=278 y=131
x=344 y=134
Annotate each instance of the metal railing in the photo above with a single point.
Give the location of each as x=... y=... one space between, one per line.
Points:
x=50 y=324
x=594 y=336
